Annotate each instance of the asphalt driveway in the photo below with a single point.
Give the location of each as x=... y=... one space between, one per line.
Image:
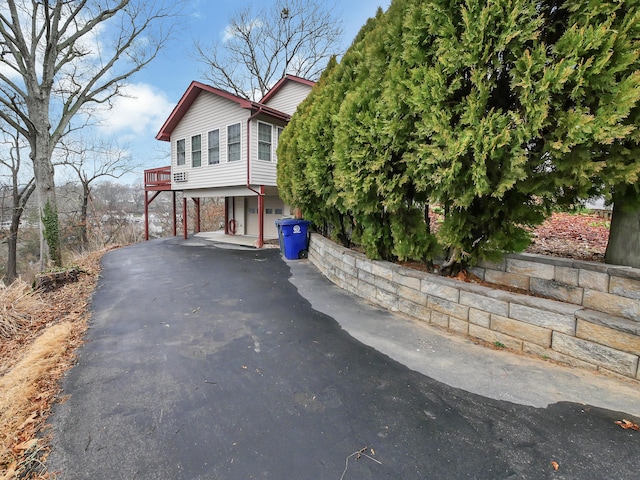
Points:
x=207 y=363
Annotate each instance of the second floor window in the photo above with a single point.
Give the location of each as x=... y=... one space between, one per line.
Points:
x=233 y=142
x=196 y=151
x=278 y=133
x=180 y=155
x=264 y=142
x=213 y=138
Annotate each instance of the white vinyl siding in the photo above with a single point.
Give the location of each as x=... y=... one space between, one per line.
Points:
x=210 y=113
x=213 y=142
x=261 y=172
x=264 y=141
x=234 y=144
x=289 y=97
x=207 y=113
x=196 y=151
x=180 y=152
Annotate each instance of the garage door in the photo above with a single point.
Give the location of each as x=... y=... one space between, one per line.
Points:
x=273 y=209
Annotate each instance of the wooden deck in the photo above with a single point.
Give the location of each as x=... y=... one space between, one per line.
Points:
x=157 y=179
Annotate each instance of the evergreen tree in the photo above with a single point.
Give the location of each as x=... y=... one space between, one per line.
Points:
x=497 y=111
x=304 y=167
x=370 y=150
x=470 y=145
x=592 y=136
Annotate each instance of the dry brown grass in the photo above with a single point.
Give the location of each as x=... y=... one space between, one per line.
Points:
x=40 y=332
x=27 y=385
x=17 y=304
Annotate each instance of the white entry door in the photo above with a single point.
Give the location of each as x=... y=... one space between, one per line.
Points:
x=251 y=205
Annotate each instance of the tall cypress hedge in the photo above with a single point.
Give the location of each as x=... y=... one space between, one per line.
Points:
x=496 y=111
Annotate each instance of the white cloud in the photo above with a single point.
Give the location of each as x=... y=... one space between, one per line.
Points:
x=233 y=30
x=142 y=111
x=228 y=33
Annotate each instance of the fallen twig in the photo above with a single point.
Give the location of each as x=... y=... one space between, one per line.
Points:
x=357 y=454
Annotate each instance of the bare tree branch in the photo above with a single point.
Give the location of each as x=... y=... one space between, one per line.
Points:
x=59 y=57
x=296 y=37
x=93 y=162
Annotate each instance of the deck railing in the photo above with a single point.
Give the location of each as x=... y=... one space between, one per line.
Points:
x=157 y=178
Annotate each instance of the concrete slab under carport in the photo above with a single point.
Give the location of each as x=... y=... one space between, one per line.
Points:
x=251 y=241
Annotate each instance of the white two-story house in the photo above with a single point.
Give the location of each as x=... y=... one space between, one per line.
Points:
x=223 y=145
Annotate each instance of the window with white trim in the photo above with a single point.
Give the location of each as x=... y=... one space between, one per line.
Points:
x=196 y=151
x=278 y=133
x=213 y=142
x=264 y=141
x=233 y=142
x=180 y=152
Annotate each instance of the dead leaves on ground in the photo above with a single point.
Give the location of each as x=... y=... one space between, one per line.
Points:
x=17 y=306
x=24 y=410
x=627 y=425
x=624 y=423
x=583 y=237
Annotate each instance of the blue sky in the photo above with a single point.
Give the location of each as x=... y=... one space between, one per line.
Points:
x=154 y=91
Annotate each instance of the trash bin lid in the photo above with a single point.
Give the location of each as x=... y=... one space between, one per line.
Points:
x=293 y=221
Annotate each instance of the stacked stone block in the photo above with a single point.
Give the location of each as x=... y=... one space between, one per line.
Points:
x=589 y=318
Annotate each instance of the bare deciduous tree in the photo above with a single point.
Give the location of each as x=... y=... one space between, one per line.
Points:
x=296 y=37
x=91 y=164
x=21 y=191
x=60 y=57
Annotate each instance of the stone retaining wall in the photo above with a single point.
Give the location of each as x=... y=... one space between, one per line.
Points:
x=593 y=320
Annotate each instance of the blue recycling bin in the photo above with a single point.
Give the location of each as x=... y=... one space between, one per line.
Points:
x=293 y=234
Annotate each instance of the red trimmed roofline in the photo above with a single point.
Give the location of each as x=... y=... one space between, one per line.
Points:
x=192 y=92
x=280 y=83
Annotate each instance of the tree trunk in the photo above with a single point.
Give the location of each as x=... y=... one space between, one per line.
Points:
x=12 y=259
x=50 y=249
x=86 y=192
x=19 y=200
x=624 y=236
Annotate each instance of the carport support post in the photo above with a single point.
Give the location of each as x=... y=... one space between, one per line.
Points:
x=197 y=202
x=184 y=217
x=146 y=215
x=147 y=202
x=261 y=217
x=175 y=215
x=226 y=215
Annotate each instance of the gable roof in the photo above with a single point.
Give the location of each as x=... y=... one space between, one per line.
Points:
x=195 y=89
x=282 y=82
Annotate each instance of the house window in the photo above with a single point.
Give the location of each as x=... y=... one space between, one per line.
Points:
x=180 y=155
x=278 y=211
x=278 y=133
x=213 y=138
x=196 y=151
x=264 y=142
x=268 y=211
x=233 y=142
